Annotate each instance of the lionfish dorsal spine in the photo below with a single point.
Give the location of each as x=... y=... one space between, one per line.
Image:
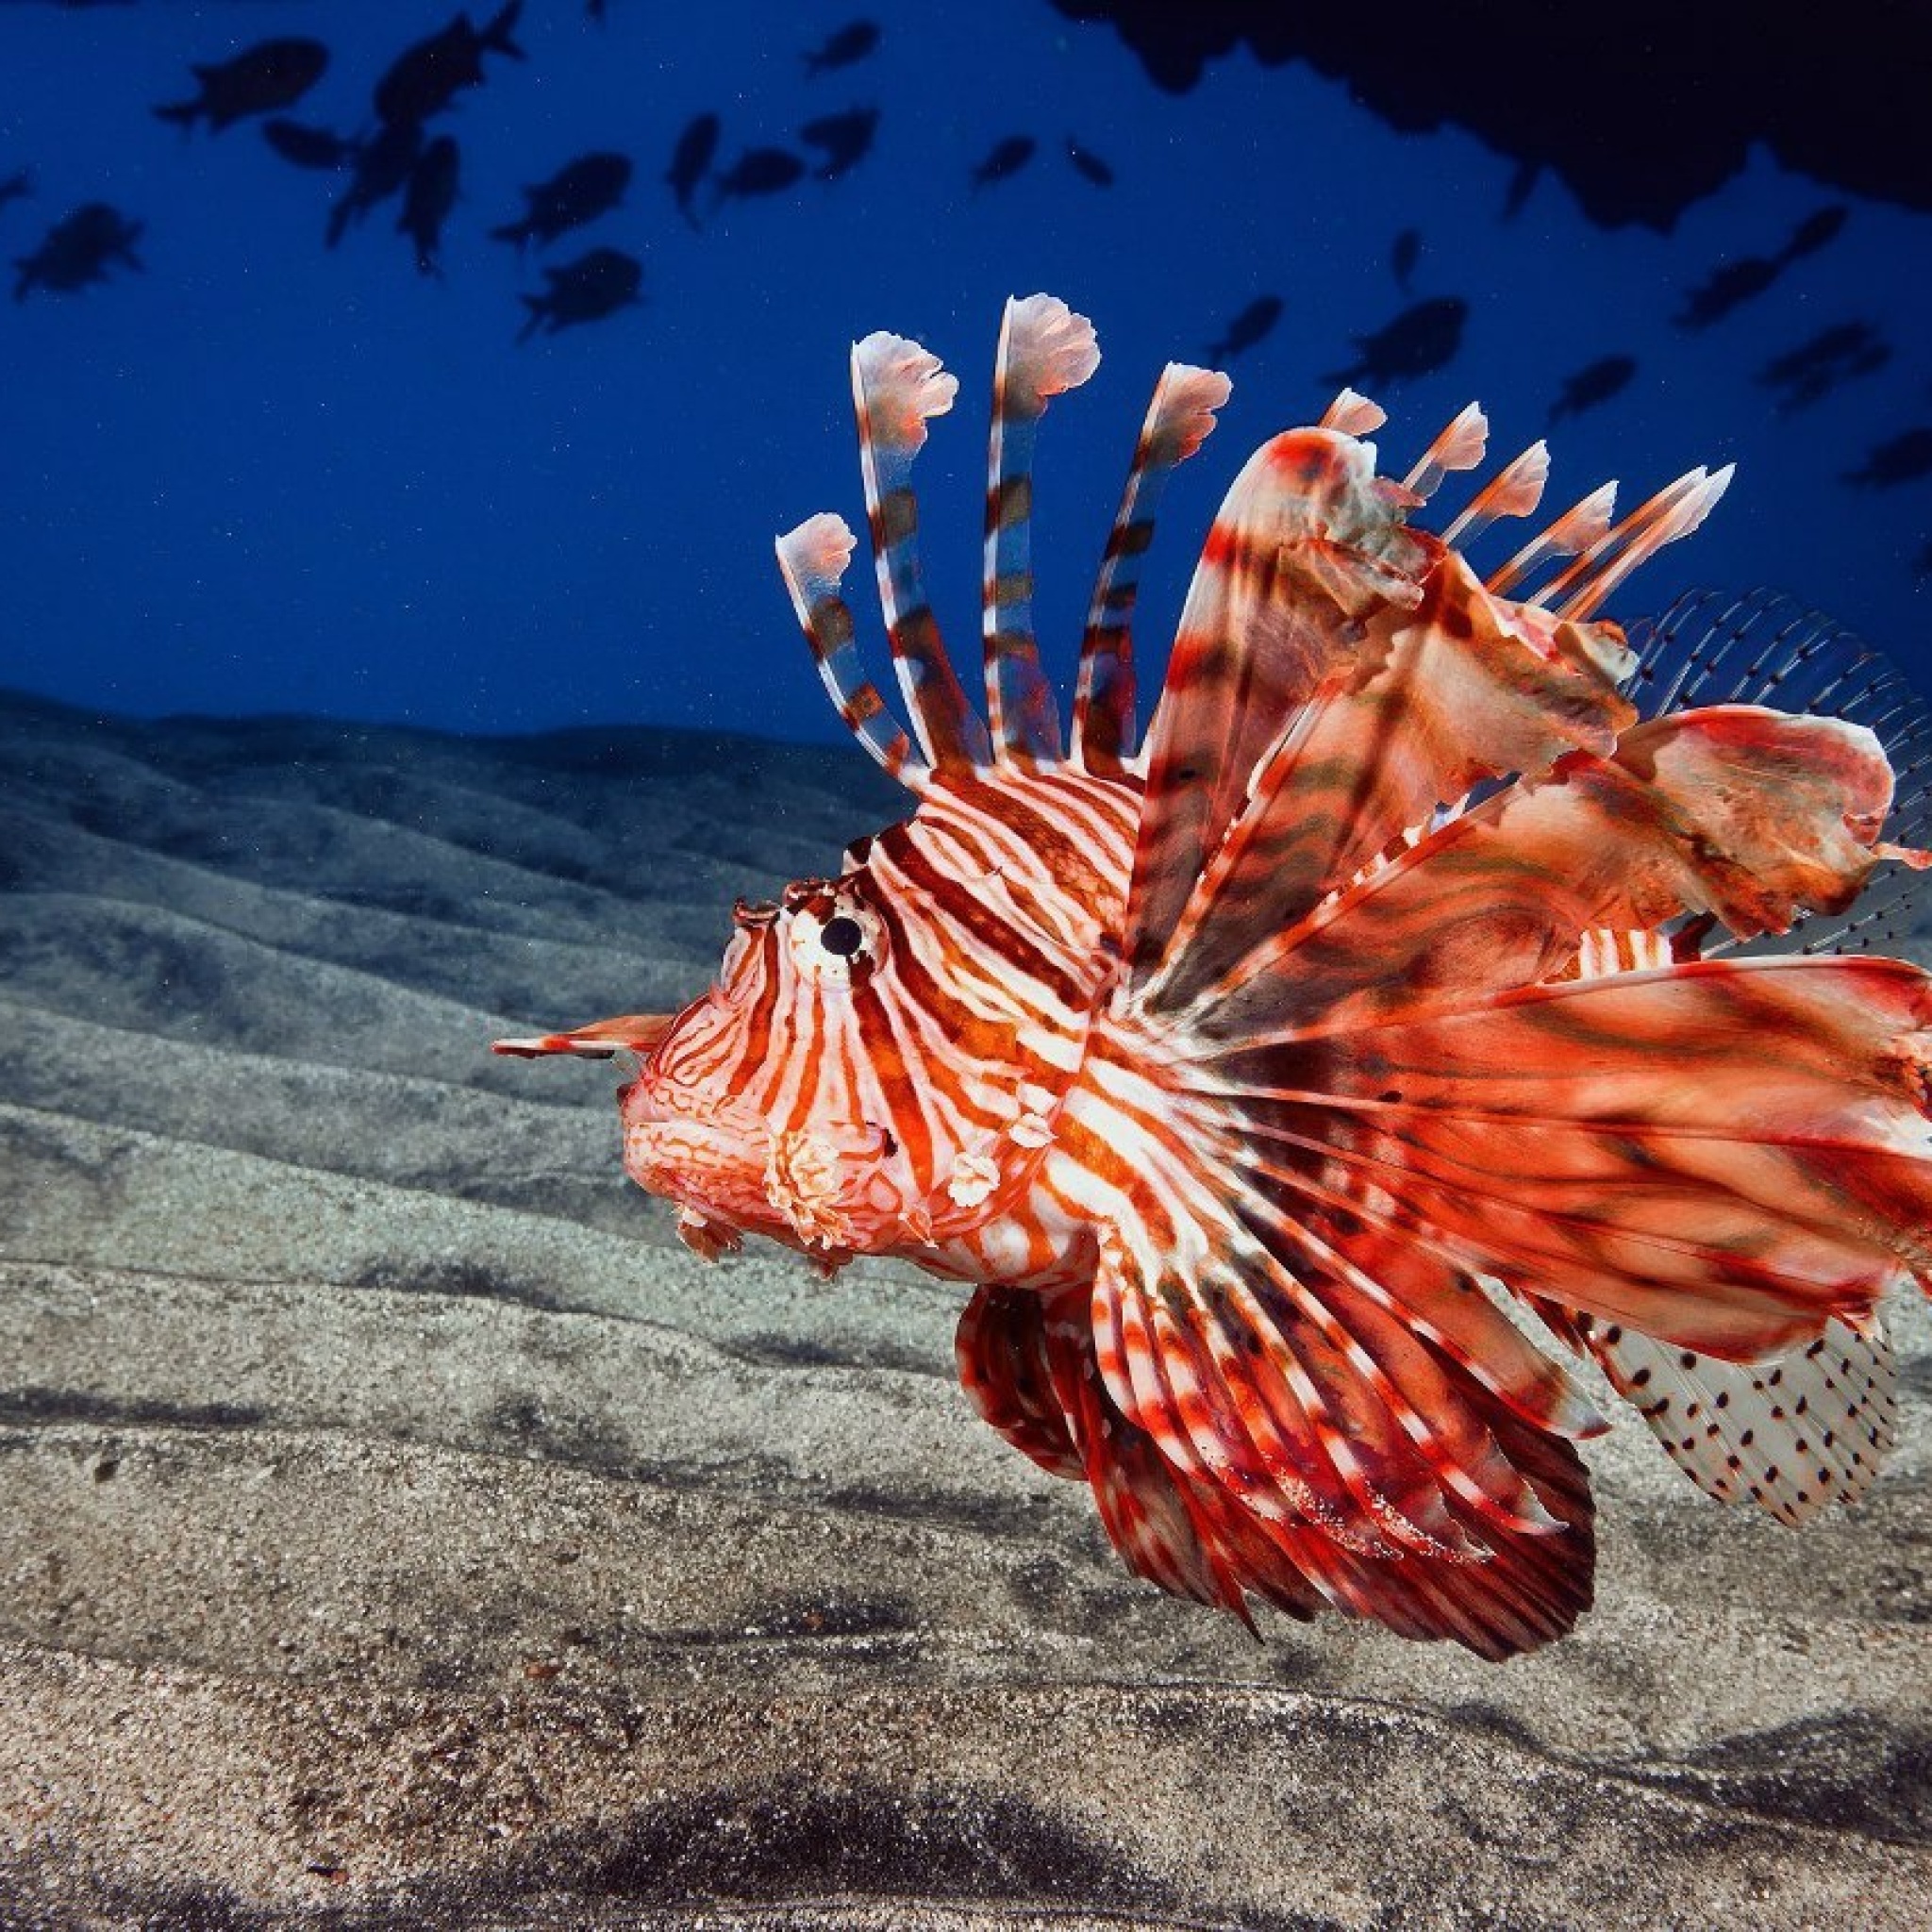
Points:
x=1353 y=414
x=896 y=386
x=1461 y=447
x=1514 y=491
x=1044 y=349
x=1675 y=512
x=1179 y=419
x=813 y=561
x=1583 y=523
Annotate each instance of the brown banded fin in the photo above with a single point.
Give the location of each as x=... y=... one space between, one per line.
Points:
x=813 y=561
x=1045 y=350
x=896 y=386
x=1179 y=419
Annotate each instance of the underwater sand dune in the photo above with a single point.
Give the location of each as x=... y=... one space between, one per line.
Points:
x=397 y=1526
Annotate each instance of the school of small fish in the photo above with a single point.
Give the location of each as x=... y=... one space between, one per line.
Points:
x=1300 y=1087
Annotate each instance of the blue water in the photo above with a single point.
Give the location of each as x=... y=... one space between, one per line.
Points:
x=263 y=475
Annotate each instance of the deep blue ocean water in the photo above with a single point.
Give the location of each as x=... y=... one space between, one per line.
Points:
x=262 y=475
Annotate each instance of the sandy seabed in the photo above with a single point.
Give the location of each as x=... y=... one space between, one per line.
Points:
x=398 y=1528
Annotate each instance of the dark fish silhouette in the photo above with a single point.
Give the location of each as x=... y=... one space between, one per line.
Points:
x=1597 y=382
x=1005 y=161
x=1727 y=288
x=275 y=73
x=428 y=200
x=1246 y=330
x=591 y=186
x=1403 y=253
x=758 y=170
x=845 y=140
x=309 y=147
x=1090 y=164
x=17 y=187
x=1418 y=342
x=1902 y=459
x=423 y=79
x=1922 y=564
x=1522 y=186
x=77 y=250
x=690 y=161
x=1813 y=232
x=851 y=42
x=383 y=165
x=587 y=289
x=1832 y=356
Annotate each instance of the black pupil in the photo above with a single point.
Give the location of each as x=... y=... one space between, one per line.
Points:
x=841 y=935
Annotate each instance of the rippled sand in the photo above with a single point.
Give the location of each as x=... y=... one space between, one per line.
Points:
x=397 y=1526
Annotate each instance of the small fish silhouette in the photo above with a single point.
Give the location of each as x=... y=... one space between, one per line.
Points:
x=845 y=140
x=591 y=186
x=271 y=75
x=1597 y=383
x=690 y=161
x=383 y=167
x=1005 y=159
x=1406 y=251
x=1418 y=342
x=1813 y=232
x=1247 y=328
x=423 y=78
x=1922 y=564
x=1090 y=164
x=587 y=289
x=309 y=147
x=851 y=43
x=17 y=186
x=1832 y=358
x=427 y=199
x=1903 y=459
x=78 y=250
x=1726 y=287
x=757 y=170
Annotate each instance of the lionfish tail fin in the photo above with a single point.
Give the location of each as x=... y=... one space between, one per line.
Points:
x=1045 y=350
x=1179 y=419
x=896 y=386
x=813 y=561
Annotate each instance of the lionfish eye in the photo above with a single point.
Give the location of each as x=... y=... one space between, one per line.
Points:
x=841 y=935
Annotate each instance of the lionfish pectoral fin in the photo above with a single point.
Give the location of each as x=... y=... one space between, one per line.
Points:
x=602 y=1040
x=1303 y=1425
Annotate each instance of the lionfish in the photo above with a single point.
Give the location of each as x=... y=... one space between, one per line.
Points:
x=1295 y=1085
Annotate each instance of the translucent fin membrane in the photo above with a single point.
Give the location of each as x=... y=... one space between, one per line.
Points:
x=1764 y=649
x=1179 y=419
x=813 y=561
x=1515 y=491
x=1583 y=523
x=1044 y=349
x=1461 y=447
x=1353 y=414
x=896 y=386
x=1675 y=512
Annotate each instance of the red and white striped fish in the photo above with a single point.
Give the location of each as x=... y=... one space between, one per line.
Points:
x=1266 y=1079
